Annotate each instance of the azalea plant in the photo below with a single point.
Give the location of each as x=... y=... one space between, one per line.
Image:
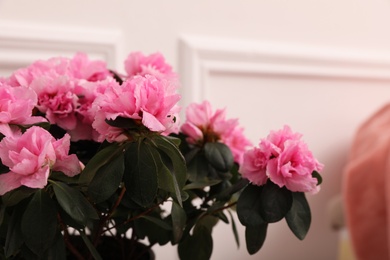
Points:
x=92 y=162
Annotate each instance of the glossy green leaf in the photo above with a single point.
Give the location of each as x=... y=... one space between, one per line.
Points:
x=219 y=156
x=179 y=219
x=15 y=196
x=158 y=222
x=236 y=187
x=255 y=237
x=141 y=173
x=123 y=122
x=299 y=216
x=74 y=203
x=275 y=202
x=201 y=184
x=97 y=161
x=234 y=229
x=39 y=223
x=317 y=175
x=90 y=246
x=198 y=246
x=179 y=175
x=107 y=180
x=57 y=250
x=14 y=239
x=176 y=141
x=198 y=169
x=249 y=206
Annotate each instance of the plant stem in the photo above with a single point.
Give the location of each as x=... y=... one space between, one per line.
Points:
x=104 y=219
x=69 y=245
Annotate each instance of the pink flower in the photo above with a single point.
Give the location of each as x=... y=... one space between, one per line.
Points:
x=147 y=99
x=16 y=106
x=81 y=67
x=202 y=125
x=154 y=64
x=30 y=157
x=56 y=98
x=283 y=158
x=65 y=89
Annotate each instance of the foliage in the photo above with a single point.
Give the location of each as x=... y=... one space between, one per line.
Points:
x=165 y=186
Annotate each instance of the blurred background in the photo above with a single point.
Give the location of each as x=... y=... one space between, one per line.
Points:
x=321 y=67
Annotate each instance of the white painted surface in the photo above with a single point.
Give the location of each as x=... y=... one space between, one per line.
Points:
x=320 y=66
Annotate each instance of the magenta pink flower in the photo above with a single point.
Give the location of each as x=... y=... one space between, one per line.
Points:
x=283 y=158
x=147 y=99
x=16 y=106
x=31 y=155
x=154 y=64
x=202 y=125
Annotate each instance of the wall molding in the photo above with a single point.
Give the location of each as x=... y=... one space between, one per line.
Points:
x=22 y=44
x=202 y=57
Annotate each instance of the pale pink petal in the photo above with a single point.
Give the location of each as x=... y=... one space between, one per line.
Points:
x=9 y=181
x=152 y=123
x=38 y=179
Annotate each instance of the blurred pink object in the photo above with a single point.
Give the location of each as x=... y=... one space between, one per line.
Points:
x=154 y=64
x=366 y=188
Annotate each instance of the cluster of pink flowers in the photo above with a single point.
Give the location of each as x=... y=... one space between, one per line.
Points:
x=64 y=90
x=284 y=159
x=144 y=98
x=203 y=125
x=78 y=95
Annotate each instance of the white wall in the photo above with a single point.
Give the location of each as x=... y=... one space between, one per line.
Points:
x=321 y=66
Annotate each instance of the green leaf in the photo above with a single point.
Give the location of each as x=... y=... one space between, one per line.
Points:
x=317 y=175
x=198 y=168
x=141 y=173
x=74 y=203
x=275 y=202
x=15 y=196
x=14 y=239
x=123 y=122
x=158 y=222
x=198 y=246
x=236 y=187
x=176 y=141
x=255 y=237
x=107 y=179
x=39 y=223
x=299 y=216
x=90 y=246
x=249 y=206
x=201 y=184
x=179 y=175
x=179 y=219
x=97 y=161
x=234 y=229
x=219 y=156
x=57 y=250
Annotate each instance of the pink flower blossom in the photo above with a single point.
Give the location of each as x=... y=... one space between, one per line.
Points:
x=81 y=67
x=57 y=100
x=283 y=158
x=154 y=64
x=31 y=155
x=147 y=99
x=16 y=106
x=65 y=89
x=202 y=125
